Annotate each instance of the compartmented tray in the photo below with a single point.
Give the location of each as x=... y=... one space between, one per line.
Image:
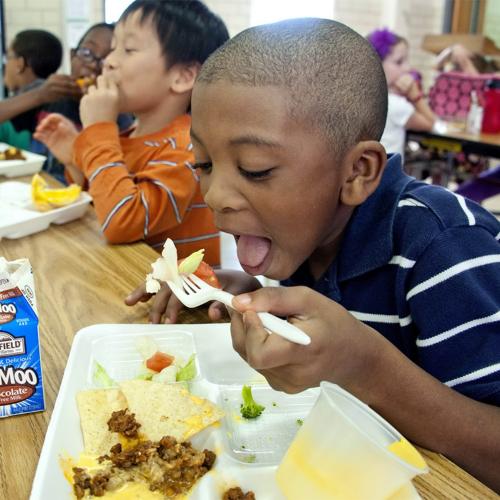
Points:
x=248 y=451
x=15 y=168
x=20 y=218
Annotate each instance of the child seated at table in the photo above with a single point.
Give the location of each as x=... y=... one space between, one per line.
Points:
x=143 y=183
x=396 y=281
x=32 y=57
x=85 y=65
x=407 y=105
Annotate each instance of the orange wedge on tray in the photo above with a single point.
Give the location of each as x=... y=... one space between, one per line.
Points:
x=46 y=198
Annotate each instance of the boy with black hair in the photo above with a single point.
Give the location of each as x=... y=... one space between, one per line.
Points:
x=143 y=184
x=37 y=53
x=31 y=58
x=396 y=282
x=87 y=60
x=50 y=92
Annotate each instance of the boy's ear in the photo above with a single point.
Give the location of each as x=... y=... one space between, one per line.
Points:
x=21 y=65
x=364 y=167
x=184 y=77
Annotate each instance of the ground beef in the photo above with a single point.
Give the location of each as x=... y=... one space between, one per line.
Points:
x=81 y=481
x=132 y=456
x=237 y=494
x=98 y=484
x=124 y=422
x=209 y=459
x=171 y=468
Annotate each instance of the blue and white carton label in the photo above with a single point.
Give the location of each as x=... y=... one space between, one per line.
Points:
x=21 y=387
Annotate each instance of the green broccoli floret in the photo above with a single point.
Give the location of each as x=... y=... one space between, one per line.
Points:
x=249 y=408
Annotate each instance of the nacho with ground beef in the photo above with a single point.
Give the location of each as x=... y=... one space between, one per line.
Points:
x=135 y=440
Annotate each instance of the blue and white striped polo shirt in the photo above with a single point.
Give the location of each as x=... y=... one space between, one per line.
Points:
x=421 y=265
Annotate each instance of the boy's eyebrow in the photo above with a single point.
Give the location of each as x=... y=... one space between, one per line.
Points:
x=253 y=140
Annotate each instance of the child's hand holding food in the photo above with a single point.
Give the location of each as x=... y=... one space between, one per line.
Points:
x=169 y=268
x=100 y=104
x=404 y=84
x=58 y=87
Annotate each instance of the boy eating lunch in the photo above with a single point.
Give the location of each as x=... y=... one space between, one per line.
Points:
x=143 y=183
x=396 y=282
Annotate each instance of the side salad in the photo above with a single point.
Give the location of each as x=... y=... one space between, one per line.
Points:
x=156 y=365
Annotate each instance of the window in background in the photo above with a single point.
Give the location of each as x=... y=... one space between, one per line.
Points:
x=264 y=11
x=114 y=8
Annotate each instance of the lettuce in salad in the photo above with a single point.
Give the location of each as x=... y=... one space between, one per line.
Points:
x=101 y=377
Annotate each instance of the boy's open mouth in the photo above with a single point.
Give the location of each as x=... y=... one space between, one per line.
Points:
x=252 y=252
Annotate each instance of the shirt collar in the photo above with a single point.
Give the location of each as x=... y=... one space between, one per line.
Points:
x=30 y=86
x=367 y=241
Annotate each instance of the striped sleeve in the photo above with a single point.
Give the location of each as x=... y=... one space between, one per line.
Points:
x=134 y=201
x=454 y=298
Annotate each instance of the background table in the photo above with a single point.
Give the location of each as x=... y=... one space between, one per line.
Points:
x=82 y=281
x=450 y=139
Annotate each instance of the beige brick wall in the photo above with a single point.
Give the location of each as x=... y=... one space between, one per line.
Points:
x=45 y=14
x=407 y=17
x=235 y=13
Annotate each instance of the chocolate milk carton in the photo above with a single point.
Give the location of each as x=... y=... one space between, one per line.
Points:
x=21 y=389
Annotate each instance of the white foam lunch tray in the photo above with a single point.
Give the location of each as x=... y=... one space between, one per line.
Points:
x=20 y=218
x=248 y=451
x=15 y=168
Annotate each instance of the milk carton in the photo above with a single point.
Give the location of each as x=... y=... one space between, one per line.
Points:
x=21 y=388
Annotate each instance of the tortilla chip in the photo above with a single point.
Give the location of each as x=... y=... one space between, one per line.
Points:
x=168 y=409
x=95 y=407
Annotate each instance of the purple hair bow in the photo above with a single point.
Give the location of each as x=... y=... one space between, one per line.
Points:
x=382 y=41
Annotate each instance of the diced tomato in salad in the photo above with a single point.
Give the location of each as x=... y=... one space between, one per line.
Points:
x=159 y=360
x=207 y=274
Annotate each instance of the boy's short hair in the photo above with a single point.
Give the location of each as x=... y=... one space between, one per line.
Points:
x=98 y=26
x=334 y=78
x=42 y=51
x=187 y=30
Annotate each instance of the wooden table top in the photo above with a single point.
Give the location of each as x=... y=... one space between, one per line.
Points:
x=481 y=144
x=81 y=281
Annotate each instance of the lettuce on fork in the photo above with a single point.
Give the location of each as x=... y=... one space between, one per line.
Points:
x=164 y=268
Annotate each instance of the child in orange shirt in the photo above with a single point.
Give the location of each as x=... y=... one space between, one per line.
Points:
x=143 y=183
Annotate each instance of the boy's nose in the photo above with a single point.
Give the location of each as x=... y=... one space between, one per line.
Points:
x=108 y=63
x=218 y=193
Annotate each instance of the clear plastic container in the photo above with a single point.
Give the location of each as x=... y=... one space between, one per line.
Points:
x=122 y=360
x=343 y=452
x=265 y=439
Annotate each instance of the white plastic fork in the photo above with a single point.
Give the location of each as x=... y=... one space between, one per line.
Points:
x=195 y=292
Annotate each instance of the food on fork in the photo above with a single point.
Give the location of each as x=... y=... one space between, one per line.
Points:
x=12 y=153
x=46 y=198
x=169 y=268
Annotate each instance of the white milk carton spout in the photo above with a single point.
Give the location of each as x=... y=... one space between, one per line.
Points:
x=21 y=387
